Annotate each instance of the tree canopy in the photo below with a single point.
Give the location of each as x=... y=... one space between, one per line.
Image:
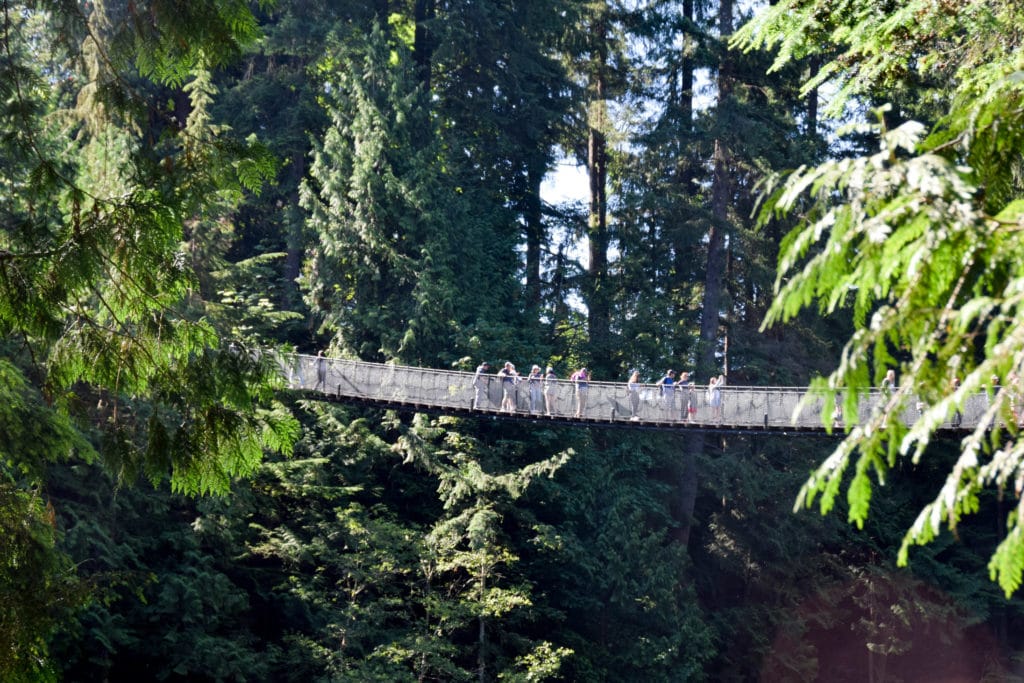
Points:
x=921 y=237
x=188 y=189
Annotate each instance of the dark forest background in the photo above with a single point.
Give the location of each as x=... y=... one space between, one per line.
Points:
x=368 y=178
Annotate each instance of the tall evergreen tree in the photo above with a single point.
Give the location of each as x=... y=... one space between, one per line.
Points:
x=598 y=61
x=616 y=581
x=379 y=215
x=273 y=92
x=501 y=97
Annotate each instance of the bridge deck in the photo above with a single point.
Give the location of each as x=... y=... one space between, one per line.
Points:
x=750 y=409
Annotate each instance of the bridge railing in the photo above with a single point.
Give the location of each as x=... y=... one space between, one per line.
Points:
x=737 y=406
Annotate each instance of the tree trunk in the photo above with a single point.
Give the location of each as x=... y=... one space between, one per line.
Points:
x=693 y=445
x=686 y=168
x=714 y=275
x=295 y=241
x=686 y=77
x=422 y=50
x=707 y=365
x=598 y=308
x=482 y=634
x=534 y=220
x=721 y=192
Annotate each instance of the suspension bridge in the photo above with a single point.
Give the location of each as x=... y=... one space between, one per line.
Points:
x=682 y=406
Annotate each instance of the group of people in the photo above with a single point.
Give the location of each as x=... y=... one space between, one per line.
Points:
x=543 y=395
x=684 y=385
x=540 y=385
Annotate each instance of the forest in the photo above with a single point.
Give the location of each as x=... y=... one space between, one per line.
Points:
x=786 y=192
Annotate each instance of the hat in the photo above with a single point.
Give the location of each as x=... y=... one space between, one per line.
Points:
x=550 y=369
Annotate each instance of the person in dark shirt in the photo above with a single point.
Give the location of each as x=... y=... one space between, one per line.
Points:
x=321 y=371
x=480 y=382
x=509 y=380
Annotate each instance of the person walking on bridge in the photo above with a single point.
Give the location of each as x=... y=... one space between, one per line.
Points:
x=533 y=382
x=715 y=397
x=889 y=383
x=691 y=400
x=509 y=380
x=550 y=390
x=633 y=391
x=681 y=388
x=668 y=392
x=321 y=371
x=958 y=417
x=480 y=382
x=581 y=380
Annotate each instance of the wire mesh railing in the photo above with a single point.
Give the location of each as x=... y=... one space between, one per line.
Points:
x=741 y=407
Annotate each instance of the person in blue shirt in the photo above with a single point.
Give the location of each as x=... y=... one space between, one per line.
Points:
x=668 y=392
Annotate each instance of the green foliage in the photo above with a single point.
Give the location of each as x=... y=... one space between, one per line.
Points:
x=401 y=566
x=38 y=586
x=375 y=210
x=32 y=434
x=166 y=600
x=920 y=239
x=94 y=277
x=101 y=182
x=165 y=39
x=542 y=663
x=467 y=551
x=625 y=599
x=401 y=548
x=1007 y=565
